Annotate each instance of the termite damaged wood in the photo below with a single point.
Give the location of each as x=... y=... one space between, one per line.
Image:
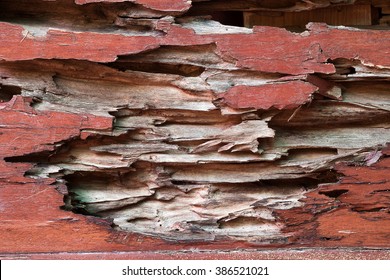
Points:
x=147 y=126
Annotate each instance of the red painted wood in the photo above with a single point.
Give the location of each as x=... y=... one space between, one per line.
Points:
x=267 y=49
x=281 y=96
x=30 y=214
x=356 y=212
x=19 y=122
x=68 y=45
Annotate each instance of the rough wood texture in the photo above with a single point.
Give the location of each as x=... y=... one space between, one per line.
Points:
x=131 y=126
x=268 y=5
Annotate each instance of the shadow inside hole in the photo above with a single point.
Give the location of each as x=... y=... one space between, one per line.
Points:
x=359 y=16
x=7 y=92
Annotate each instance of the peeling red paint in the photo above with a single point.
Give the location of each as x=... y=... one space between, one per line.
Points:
x=280 y=96
x=16 y=136
x=368 y=46
x=353 y=211
x=283 y=52
x=69 y=45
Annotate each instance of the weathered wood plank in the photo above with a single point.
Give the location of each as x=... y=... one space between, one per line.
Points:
x=180 y=133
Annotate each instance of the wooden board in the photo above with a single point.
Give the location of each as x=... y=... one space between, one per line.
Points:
x=128 y=127
x=350 y=15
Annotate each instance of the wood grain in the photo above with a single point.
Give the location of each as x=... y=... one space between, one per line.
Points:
x=129 y=130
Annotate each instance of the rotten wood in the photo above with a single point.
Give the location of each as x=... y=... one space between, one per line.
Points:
x=141 y=126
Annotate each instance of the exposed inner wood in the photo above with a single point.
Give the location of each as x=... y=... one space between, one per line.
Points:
x=201 y=137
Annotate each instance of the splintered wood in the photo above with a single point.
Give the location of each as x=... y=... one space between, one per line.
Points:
x=162 y=125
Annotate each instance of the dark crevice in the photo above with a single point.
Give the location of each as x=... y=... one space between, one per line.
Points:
x=41 y=157
x=186 y=61
x=162 y=68
x=330 y=238
x=333 y=193
x=308 y=183
x=74 y=201
x=232 y=18
x=7 y=92
x=381 y=191
x=365 y=209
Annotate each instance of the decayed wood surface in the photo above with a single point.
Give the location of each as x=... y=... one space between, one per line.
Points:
x=144 y=125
